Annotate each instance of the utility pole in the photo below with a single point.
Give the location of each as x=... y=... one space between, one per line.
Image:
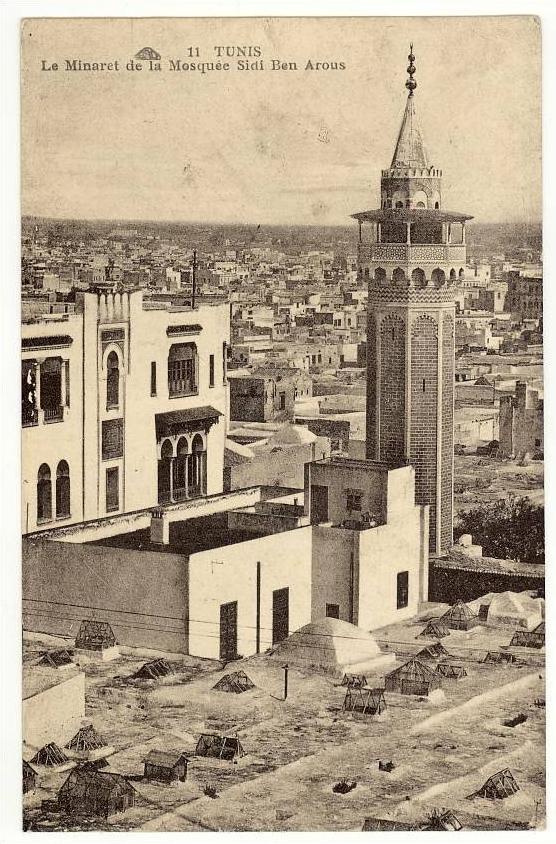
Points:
x=286 y=681
x=194 y=279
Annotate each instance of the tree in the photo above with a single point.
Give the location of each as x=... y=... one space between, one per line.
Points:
x=511 y=529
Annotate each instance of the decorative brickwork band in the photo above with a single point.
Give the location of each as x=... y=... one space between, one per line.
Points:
x=392 y=390
x=424 y=422
x=447 y=456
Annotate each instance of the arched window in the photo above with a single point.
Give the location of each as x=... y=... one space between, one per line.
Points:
x=437 y=205
x=182 y=369
x=62 y=490
x=164 y=472
x=44 y=494
x=197 y=466
x=399 y=204
x=438 y=277
x=380 y=274
x=167 y=451
x=398 y=276
x=180 y=469
x=418 y=278
x=420 y=199
x=452 y=276
x=112 y=381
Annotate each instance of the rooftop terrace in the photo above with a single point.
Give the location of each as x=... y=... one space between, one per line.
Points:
x=186 y=537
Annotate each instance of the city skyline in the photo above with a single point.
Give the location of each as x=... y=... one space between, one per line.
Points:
x=284 y=147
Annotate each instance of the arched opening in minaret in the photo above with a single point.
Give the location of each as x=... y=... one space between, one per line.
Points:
x=418 y=278
x=399 y=204
x=438 y=277
x=380 y=275
x=456 y=233
x=420 y=199
x=453 y=276
x=399 y=276
x=437 y=205
x=461 y=273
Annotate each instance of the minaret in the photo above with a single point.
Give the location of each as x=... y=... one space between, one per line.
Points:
x=412 y=252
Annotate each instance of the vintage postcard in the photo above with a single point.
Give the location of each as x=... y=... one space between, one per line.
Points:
x=282 y=421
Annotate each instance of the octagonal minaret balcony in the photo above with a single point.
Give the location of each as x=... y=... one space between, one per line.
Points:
x=411 y=236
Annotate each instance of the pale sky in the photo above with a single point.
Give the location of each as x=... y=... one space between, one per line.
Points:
x=283 y=147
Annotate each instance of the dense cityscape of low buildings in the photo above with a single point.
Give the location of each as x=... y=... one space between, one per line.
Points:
x=241 y=444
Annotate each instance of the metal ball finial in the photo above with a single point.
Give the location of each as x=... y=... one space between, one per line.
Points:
x=411 y=83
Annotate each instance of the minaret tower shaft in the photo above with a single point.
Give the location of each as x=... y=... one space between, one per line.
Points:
x=412 y=252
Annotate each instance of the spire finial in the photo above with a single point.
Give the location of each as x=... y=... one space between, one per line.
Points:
x=411 y=83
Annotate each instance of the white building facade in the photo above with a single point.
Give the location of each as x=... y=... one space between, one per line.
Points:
x=123 y=407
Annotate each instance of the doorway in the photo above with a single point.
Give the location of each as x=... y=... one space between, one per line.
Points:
x=228 y=631
x=280 y=615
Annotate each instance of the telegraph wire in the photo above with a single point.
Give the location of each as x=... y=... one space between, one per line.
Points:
x=406 y=644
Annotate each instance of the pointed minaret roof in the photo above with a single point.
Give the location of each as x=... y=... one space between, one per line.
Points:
x=410 y=149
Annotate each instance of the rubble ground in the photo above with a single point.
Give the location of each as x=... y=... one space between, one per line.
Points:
x=483 y=480
x=297 y=749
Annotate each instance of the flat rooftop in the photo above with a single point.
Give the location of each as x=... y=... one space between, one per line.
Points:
x=456 y=559
x=188 y=537
x=371 y=465
x=39 y=678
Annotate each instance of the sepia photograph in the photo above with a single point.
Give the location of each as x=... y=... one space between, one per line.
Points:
x=282 y=424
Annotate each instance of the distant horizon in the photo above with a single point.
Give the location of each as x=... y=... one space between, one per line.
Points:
x=228 y=224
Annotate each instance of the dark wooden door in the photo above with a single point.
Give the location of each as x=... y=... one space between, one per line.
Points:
x=228 y=631
x=280 y=615
x=319 y=504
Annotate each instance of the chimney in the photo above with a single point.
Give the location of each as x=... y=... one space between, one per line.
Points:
x=160 y=527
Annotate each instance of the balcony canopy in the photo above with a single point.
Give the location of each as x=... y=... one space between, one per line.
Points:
x=410 y=215
x=177 y=422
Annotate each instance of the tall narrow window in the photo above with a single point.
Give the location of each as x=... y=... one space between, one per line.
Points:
x=153 y=378
x=165 y=472
x=44 y=494
x=224 y=361
x=211 y=371
x=67 y=373
x=197 y=470
x=112 y=381
x=402 y=589
x=62 y=490
x=179 y=479
x=29 y=415
x=51 y=389
x=112 y=489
